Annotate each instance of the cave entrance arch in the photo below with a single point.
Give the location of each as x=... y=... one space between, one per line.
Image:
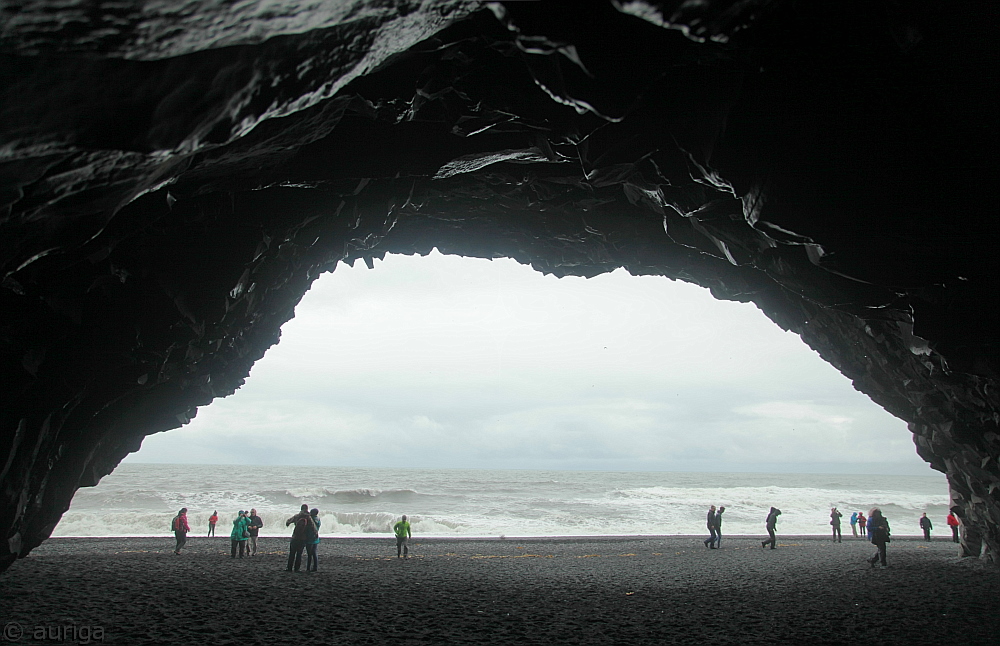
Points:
x=167 y=199
x=451 y=362
x=458 y=363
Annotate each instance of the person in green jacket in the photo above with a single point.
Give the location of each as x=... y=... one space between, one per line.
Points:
x=402 y=530
x=240 y=534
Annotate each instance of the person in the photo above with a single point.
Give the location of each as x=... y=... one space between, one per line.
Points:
x=312 y=560
x=181 y=528
x=300 y=532
x=214 y=518
x=925 y=524
x=769 y=523
x=710 y=523
x=862 y=523
x=878 y=528
x=402 y=531
x=254 y=528
x=952 y=521
x=238 y=537
x=854 y=523
x=835 y=517
x=718 y=526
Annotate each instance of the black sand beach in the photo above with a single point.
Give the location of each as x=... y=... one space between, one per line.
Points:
x=528 y=591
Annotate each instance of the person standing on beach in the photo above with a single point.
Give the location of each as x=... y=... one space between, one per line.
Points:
x=952 y=521
x=181 y=528
x=710 y=523
x=718 y=526
x=835 y=517
x=879 y=534
x=212 y=520
x=769 y=523
x=254 y=528
x=238 y=537
x=862 y=523
x=402 y=531
x=312 y=560
x=925 y=524
x=300 y=532
x=854 y=524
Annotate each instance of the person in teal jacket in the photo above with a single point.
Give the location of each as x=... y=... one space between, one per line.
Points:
x=240 y=534
x=312 y=561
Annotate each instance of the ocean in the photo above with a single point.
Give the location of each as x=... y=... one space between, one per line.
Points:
x=140 y=500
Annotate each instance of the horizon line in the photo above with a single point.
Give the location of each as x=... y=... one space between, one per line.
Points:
x=933 y=473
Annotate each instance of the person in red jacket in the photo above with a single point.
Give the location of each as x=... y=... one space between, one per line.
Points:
x=181 y=528
x=952 y=521
x=212 y=520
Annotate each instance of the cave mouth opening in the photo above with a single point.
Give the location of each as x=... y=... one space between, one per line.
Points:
x=446 y=362
x=432 y=382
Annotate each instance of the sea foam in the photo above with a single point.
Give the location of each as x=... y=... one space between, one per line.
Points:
x=140 y=500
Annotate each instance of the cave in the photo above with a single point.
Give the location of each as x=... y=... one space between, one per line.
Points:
x=175 y=178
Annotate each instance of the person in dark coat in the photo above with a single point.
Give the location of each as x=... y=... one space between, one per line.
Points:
x=254 y=528
x=835 y=523
x=300 y=535
x=710 y=523
x=878 y=531
x=925 y=524
x=718 y=526
x=769 y=523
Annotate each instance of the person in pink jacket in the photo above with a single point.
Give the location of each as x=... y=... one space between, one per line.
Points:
x=180 y=526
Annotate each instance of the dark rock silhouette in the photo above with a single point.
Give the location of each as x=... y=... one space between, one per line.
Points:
x=172 y=183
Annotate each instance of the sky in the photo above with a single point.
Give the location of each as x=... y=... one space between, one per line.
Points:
x=450 y=362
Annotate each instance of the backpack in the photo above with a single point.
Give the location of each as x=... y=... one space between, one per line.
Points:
x=307 y=528
x=175 y=523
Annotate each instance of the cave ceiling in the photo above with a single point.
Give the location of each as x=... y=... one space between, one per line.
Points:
x=173 y=177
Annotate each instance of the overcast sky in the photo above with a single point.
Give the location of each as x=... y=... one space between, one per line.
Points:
x=456 y=362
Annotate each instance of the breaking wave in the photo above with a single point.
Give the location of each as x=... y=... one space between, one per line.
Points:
x=140 y=500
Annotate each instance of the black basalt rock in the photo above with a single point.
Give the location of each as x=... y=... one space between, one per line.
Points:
x=171 y=183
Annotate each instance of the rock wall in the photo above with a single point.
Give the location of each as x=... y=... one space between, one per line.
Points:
x=173 y=180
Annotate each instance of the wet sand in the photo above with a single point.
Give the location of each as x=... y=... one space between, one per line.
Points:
x=643 y=590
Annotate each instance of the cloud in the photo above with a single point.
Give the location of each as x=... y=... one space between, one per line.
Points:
x=795 y=411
